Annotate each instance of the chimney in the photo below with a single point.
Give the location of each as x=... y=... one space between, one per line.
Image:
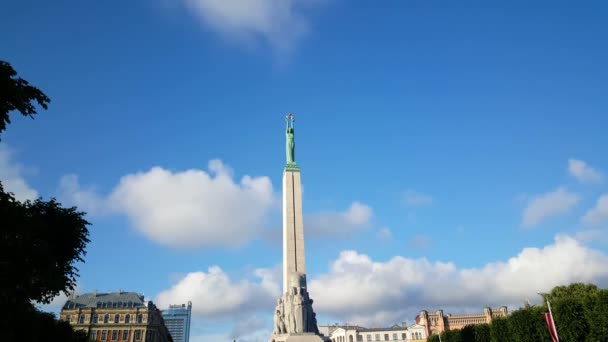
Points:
x=404 y=324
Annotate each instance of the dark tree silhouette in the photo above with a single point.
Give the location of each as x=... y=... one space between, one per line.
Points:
x=39 y=244
x=17 y=94
x=40 y=241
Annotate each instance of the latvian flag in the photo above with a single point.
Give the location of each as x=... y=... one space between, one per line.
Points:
x=551 y=326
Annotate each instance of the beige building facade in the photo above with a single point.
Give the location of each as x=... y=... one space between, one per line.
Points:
x=437 y=322
x=397 y=333
x=118 y=316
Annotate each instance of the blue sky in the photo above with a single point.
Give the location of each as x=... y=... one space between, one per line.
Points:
x=437 y=142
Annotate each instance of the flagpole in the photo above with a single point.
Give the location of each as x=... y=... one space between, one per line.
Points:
x=552 y=321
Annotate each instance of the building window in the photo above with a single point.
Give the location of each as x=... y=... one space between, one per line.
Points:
x=104 y=335
x=81 y=319
x=140 y=318
x=377 y=337
x=125 y=335
x=116 y=318
x=137 y=334
x=386 y=337
x=394 y=336
x=67 y=318
x=95 y=318
x=93 y=335
x=127 y=318
x=403 y=336
x=359 y=338
x=106 y=318
x=369 y=337
x=114 y=335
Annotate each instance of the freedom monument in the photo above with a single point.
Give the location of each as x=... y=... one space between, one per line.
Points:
x=294 y=317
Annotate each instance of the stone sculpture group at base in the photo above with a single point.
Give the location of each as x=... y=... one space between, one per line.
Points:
x=294 y=313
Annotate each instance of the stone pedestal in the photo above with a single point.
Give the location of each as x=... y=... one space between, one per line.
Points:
x=307 y=337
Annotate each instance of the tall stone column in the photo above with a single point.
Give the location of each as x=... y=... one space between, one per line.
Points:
x=294 y=317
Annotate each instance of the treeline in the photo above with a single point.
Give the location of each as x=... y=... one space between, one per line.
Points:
x=580 y=312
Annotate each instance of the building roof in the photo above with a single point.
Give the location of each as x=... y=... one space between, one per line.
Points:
x=112 y=300
x=399 y=328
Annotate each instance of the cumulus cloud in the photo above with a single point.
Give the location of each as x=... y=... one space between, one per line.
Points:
x=599 y=213
x=214 y=294
x=549 y=205
x=247 y=326
x=385 y=234
x=11 y=176
x=420 y=241
x=413 y=198
x=364 y=291
x=86 y=198
x=592 y=236
x=330 y=223
x=192 y=208
x=277 y=23
x=583 y=172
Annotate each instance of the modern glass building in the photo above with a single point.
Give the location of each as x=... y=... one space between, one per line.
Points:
x=177 y=320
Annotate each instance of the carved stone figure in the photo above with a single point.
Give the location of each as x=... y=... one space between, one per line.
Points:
x=298 y=308
x=277 y=322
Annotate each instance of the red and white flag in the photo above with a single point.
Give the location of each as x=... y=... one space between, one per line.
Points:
x=551 y=324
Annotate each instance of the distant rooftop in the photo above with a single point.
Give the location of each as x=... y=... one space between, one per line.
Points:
x=106 y=300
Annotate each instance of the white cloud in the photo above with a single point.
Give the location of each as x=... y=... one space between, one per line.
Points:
x=215 y=295
x=583 y=172
x=549 y=205
x=248 y=326
x=331 y=223
x=592 y=236
x=420 y=241
x=385 y=234
x=364 y=291
x=599 y=213
x=11 y=176
x=278 y=23
x=192 y=208
x=259 y=335
x=87 y=199
x=412 y=198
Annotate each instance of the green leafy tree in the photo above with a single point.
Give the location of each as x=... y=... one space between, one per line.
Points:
x=527 y=325
x=570 y=320
x=17 y=94
x=433 y=338
x=467 y=334
x=499 y=330
x=451 y=336
x=39 y=245
x=584 y=293
x=482 y=333
x=598 y=311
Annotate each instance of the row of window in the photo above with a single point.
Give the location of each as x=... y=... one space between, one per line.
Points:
x=103 y=335
x=395 y=337
x=115 y=304
x=106 y=318
x=378 y=337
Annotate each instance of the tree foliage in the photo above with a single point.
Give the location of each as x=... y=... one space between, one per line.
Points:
x=17 y=94
x=580 y=312
x=40 y=241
